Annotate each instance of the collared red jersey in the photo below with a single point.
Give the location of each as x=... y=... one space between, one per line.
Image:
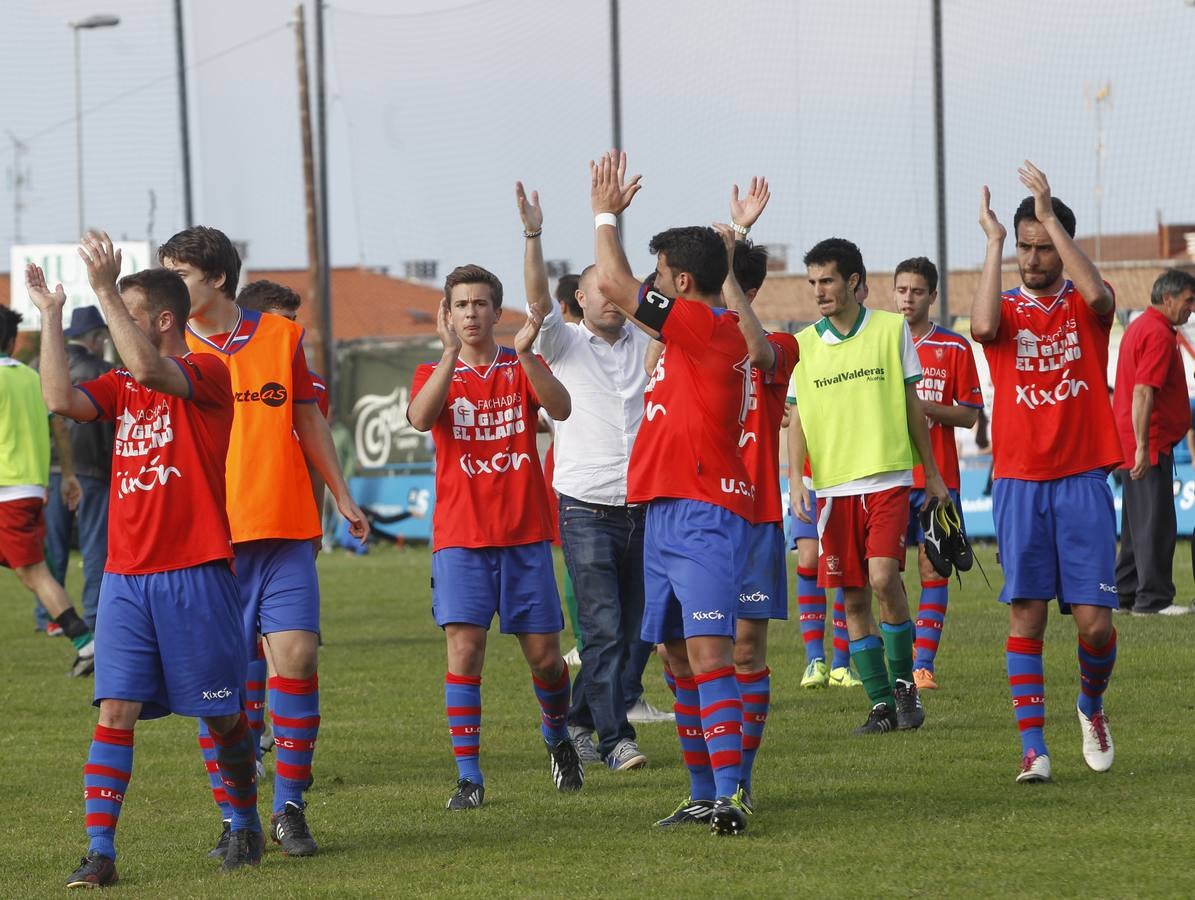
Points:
x=320 y=387
x=760 y=440
x=269 y=490
x=167 y=508
x=695 y=405
x=1051 y=416
x=948 y=376
x=490 y=488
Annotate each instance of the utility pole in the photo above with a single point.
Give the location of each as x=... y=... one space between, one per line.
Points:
x=1102 y=96
x=940 y=169
x=184 y=118
x=315 y=337
x=18 y=177
x=323 y=211
x=615 y=82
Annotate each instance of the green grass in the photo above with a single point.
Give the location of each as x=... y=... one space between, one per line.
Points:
x=932 y=813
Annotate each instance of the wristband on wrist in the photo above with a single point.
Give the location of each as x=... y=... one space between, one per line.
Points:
x=533 y=234
x=739 y=229
x=606 y=218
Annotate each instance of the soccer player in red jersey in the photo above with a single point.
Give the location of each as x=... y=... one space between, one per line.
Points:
x=950 y=397
x=481 y=402
x=169 y=617
x=1053 y=443
x=687 y=467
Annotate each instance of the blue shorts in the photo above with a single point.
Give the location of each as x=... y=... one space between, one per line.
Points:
x=806 y=530
x=518 y=583
x=1057 y=539
x=694 y=555
x=915 y=535
x=279 y=587
x=765 y=579
x=171 y=641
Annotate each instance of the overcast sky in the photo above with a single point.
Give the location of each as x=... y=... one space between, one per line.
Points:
x=437 y=108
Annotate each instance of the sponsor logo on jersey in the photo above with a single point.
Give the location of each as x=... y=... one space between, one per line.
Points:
x=876 y=374
x=487 y=420
x=739 y=488
x=1048 y=353
x=654 y=409
x=151 y=475
x=497 y=464
x=222 y=694
x=138 y=435
x=757 y=597
x=712 y=615
x=1066 y=388
x=271 y=394
x=745 y=437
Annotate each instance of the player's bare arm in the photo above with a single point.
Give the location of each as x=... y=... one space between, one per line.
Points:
x=70 y=489
x=919 y=433
x=798 y=494
x=761 y=353
x=985 y=308
x=952 y=415
x=56 y=388
x=654 y=351
x=553 y=396
x=535 y=273
x=609 y=194
x=425 y=407
x=315 y=437
x=1083 y=273
x=147 y=366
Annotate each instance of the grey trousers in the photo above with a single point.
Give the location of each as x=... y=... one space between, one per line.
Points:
x=1145 y=565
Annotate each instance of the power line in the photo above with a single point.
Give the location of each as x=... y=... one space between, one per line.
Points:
x=412 y=15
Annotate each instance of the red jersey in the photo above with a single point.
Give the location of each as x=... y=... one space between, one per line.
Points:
x=694 y=408
x=1051 y=416
x=948 y=377
x=167 y=496
x=760 y=439
x=1149 y=355
x=320 y=387
x=490 y=489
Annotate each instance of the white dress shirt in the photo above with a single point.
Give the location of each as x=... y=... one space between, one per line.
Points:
x=606 y=383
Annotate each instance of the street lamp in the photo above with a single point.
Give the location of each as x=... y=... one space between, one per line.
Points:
x=100 y=21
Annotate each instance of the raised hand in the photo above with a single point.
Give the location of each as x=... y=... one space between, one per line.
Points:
x=1035 y=179
x=447 y=334
x=746 y=211
x=39 y=292
x=529 y=209
x=530 y=330
x=609 y=190
x=987 y=219
x=103 y=263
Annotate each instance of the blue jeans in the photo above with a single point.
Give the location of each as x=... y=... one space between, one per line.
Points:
x=603 y=549
x=92 y=520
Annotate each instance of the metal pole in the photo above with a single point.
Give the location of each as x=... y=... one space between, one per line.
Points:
x=324 y=213
x=315 y=338
x=615 y=79
x=78 y=136
x=184 y=119
x=940 y=168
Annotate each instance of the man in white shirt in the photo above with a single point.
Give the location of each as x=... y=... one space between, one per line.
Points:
x=600 y=361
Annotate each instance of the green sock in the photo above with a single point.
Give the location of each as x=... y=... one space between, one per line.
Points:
x=898 y=646
x=868 y=657
x=570 y=603
x=74 y=628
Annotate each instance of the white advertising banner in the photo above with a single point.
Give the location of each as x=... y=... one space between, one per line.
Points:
x=62 y=265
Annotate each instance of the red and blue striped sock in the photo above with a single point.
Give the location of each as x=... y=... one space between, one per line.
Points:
x=722 y=723
x=294 y=713
x=669 y=679
x=255 y=694
x=1095 y=669
x=553 y=706
x=208 y=747
x=1026 y=677
x=842 y=641
x=692 y=740
x=755 y=688
x=931 y=615
x=105 y=780
x=462 y=700
x=237 y=758
x=811 y=608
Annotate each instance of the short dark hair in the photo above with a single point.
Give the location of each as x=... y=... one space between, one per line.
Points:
x=919 y=265
x=1028 y=210
x=845 y=254
x=1172 y=282
x=472 y=274
x=210 y=251
x=267 y=296
x=750 y=265
x=566 y=294
x=164 y=290
x=9 y=320
x=696 y=249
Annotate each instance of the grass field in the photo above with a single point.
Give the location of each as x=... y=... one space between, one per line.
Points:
x=931 y=813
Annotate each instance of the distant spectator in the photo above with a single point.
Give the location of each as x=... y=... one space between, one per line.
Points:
x=1152 y=414
x=566 y=296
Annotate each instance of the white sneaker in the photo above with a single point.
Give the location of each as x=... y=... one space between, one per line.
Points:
x=1097 y=741
x=643 y=713
x=573 y=658
x=626 y=755
x=1035 y=767
x=1175 y=610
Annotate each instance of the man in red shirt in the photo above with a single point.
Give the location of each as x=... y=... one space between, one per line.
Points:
x=169 y=613
x=1152 y=415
